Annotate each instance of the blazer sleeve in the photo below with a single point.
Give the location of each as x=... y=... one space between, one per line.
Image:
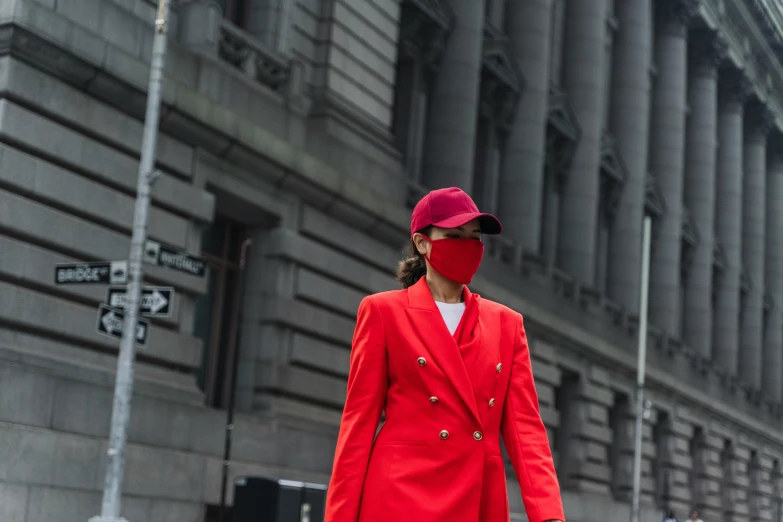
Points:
x=364 y=402
x=526 y=439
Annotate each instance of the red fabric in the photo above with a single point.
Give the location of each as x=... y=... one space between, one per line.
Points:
x=450 y=208
x=456 y=259
x=408 y=473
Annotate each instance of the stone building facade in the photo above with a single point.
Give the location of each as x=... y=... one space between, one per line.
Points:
x=309 y=127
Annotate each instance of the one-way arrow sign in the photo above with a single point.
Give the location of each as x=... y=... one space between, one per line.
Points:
x=155 y=300
x=163 y=255
x=110 y=323
x=101 y=273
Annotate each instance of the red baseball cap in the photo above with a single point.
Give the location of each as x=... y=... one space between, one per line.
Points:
x=451 y=208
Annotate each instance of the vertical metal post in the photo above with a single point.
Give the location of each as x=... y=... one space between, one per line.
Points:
x=123 y=388
x=640 y=370
x=234 y=343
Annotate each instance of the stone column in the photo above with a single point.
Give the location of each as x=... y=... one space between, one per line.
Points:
x=772 y=375
x=629 y=123
x=528 y=26
x=667 y=158
x=734 y=90
x=583 y=79
x=707 y=50
x=758 y=121
x=451 y=132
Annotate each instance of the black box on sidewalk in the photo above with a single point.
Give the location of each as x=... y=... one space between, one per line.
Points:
x=261 y=499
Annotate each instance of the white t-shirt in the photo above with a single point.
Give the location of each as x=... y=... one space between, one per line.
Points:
x=452 y=314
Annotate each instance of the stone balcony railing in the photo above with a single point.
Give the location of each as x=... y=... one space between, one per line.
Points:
x=247 y=54
x=203 y=29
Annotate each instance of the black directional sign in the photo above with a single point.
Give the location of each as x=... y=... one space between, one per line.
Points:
x=163 y=255
x=110 y=323
x=155 y=300
x=101 y=273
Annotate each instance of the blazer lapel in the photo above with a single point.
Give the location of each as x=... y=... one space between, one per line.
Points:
x=432 y=331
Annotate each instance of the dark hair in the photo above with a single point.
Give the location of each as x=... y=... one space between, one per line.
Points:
x=413 y=267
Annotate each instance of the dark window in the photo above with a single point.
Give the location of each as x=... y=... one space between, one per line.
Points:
x=696 y=448
x=727 y=478
x=661 y=434
x=233 y=10
x=618 y=422
x=217 y=311
x=566 y=404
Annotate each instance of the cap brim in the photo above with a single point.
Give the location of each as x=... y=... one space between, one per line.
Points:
x=489 y=224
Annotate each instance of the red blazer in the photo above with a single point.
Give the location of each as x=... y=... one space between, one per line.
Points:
x=437 y=456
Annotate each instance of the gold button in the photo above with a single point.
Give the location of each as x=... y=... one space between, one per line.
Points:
x=444 y=434
x=499 y=367
x=477 y=435
x=422 y=361
x=491 y=402
x=433 y=400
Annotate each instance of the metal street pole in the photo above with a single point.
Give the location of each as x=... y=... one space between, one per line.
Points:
x=123 y=388
x=234 y=344
x=640 y=369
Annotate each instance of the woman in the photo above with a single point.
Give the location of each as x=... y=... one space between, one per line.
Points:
x=451 y=371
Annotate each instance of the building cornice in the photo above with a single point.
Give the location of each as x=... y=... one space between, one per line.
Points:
x=751 y=48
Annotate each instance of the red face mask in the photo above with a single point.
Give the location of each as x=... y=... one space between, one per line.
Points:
x=456 y=259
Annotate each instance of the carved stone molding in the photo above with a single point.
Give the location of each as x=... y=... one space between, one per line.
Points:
x=775 y=151
x=690 y=240
x=719 y=265
x=246 y=53
x=735 y=86
x=759 y=9
x=708 y=47
x=746 y=282
x=562 y=136
x=768 y=301
x=654 y=204
x=759 y=119
x=425 y=26
x=613 y=175
x=501 y=81
x=682 y=12
x=718 y=257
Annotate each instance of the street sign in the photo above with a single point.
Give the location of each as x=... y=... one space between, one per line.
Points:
x=155 y=300
x=163 y=255
x=110 y=323
x=100 y=273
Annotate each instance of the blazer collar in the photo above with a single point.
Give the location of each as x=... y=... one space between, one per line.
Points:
x=432 y=331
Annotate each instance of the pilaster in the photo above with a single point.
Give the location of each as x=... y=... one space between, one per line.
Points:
x=680 y=466
x=585 y=433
